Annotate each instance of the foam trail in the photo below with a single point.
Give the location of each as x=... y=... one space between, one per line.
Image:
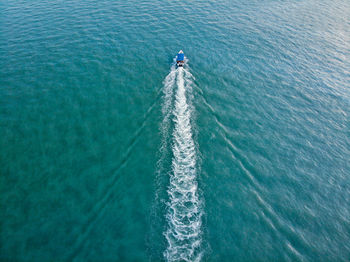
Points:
x=184 y=214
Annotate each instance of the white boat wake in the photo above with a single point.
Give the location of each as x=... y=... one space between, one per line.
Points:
x=184 y=212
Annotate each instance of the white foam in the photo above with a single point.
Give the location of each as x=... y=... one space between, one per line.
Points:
x=184 y=215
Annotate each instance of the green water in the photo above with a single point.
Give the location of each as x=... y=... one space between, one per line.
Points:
x=87 y=142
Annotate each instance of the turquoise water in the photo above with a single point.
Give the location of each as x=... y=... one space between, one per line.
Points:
x=109 y=153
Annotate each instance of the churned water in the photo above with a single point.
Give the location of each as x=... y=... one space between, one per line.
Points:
x=183 y=212
x=108 y=152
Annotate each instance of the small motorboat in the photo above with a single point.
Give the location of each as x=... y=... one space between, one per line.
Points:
x=180 y=58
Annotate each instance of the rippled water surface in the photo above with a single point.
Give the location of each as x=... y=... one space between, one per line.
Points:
x=110 y=153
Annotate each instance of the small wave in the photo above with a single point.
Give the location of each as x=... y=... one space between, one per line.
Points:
x=163 y=164
x=168 y=91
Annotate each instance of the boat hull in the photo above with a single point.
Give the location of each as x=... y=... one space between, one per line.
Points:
x=180 y=58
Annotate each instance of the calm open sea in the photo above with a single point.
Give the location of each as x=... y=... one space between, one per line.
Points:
x=108 y=152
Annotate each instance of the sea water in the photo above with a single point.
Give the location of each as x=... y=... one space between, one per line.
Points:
x=108 y=152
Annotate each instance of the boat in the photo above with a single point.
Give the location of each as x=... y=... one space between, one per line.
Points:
x=180 y=58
